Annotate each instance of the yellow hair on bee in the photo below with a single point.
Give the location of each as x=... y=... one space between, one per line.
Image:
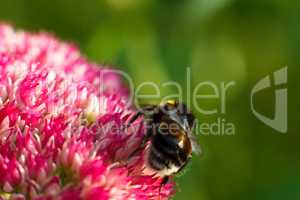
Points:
x=172 y=102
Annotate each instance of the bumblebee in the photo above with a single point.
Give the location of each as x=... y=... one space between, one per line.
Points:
x=169 y=134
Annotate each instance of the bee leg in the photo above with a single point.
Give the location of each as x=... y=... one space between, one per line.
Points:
x=143 y=111
x=183 y=166
x=162 y=183
x=145 y=139
x=135 y=117
x=147 y=136
x=165 y=180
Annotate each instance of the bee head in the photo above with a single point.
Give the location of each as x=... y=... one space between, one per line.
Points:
x=178 y=112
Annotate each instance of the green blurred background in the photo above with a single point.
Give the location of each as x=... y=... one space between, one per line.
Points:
x=220 y=40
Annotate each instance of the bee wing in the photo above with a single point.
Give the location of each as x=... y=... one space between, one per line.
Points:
x=195 y=145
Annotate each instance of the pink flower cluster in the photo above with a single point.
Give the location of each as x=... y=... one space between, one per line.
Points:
x=56 y=140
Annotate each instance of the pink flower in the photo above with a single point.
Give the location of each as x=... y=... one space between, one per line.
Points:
x=56 y=117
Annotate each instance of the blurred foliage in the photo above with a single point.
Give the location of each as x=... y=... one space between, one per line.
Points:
x=220 y=40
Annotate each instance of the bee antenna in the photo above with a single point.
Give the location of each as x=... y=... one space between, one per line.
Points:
x=159 y=192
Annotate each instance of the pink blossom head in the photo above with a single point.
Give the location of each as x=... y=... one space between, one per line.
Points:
x=56 y=118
